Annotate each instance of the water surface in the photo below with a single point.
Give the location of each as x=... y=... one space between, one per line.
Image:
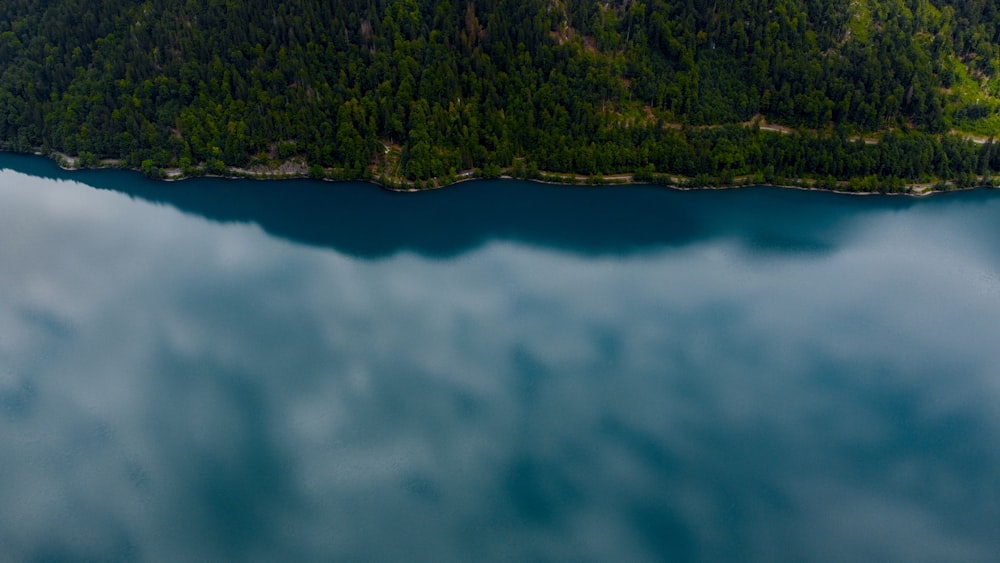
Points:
x=295 y=371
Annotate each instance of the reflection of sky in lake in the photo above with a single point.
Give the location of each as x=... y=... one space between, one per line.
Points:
x=175 y=389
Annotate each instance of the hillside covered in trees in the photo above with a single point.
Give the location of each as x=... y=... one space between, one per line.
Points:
x=871 y=92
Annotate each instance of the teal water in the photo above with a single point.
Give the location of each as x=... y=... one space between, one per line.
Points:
x=221 y=370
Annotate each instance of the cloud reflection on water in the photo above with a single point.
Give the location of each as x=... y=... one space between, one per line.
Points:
x=175 y=389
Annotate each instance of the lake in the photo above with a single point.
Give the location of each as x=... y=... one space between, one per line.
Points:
x=217 y=370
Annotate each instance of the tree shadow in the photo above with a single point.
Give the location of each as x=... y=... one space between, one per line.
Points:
x=366 y=221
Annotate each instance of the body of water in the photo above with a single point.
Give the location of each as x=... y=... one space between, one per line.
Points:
x=221 y=370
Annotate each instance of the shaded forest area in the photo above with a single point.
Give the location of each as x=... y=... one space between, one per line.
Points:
x=422 y=89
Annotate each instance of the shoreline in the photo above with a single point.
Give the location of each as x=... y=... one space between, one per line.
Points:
x=918 y=190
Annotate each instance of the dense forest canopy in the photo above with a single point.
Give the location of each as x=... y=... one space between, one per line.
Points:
x=870 y=88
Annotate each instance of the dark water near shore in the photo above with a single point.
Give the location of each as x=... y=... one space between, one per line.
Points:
x=255 y=371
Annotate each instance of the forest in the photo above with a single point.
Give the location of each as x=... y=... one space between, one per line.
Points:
x=851 y=94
